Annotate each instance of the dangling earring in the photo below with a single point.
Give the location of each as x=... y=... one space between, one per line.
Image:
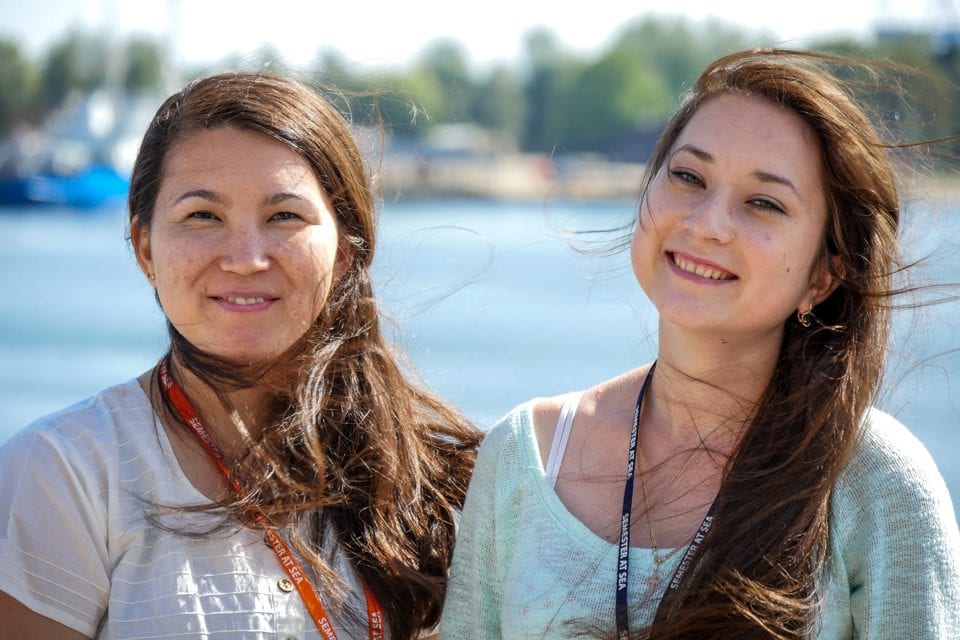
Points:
x=806 y=318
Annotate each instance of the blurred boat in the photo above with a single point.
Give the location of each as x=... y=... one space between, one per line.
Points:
x=81 y=158
x=91 y=187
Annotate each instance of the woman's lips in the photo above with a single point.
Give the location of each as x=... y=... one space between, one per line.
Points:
x=690 y=265
x=245 y=301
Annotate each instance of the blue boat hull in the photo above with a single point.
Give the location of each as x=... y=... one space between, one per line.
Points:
x=90 y=188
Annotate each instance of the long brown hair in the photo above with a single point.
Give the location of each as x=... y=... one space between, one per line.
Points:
x=777 y=485
x=349 y=443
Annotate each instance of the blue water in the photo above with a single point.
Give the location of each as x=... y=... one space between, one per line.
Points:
x=488 y=299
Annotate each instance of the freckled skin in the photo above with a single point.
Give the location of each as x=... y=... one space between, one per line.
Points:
x=239 y=215
x=714 y=202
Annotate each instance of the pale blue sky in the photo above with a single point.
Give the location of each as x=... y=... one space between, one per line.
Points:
x=391 y=33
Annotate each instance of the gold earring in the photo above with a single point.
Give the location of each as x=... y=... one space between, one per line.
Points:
x=151 y=278
x=806 y=318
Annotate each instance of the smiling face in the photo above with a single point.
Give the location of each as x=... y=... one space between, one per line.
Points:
x=731 y=229
x=243 y=244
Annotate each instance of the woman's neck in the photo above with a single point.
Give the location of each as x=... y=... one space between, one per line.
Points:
x=707 y=386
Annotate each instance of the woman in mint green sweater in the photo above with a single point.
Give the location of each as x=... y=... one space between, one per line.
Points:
x=741 y=486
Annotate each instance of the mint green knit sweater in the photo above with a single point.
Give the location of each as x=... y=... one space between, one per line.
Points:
x=524 y=567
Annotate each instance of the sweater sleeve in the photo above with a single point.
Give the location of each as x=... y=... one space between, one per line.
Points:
x=53 y=538
x=472 y=608
x=897 y=538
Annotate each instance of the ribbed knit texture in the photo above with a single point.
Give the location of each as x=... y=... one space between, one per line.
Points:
x=525 y=567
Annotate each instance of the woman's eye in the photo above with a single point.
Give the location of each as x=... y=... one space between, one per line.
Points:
x=201 y=215
x=286 y=215
x=767 y=205
x=686 y=176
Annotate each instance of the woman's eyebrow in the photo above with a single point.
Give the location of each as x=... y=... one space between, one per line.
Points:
x=697 y=151
x=765 y=176
x=204 y=194
x=283 y=196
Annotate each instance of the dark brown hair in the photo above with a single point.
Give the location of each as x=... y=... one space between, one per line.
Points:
x=349 y=444
x=777 y=485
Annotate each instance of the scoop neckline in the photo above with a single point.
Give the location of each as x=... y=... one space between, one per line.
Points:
x=571 y=524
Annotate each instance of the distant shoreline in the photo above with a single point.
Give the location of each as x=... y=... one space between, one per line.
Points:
x=536 y=177
x=507 y=176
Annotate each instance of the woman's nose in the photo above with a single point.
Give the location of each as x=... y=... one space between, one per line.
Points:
x=246 y=251
x=711 y=218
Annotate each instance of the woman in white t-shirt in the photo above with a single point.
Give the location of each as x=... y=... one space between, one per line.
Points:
x=277 y=474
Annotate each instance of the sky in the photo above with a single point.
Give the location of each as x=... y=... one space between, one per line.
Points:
x=392 y=33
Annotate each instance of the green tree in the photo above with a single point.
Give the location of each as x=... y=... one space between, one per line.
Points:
x=444 y=68
x=412 y=103
x=332 y=69
x=500 y=104
x=79 y=63
x=550 y=76
x=334 y=79
x=616 y=95
x=906 y=90
x=144 y=67
x=920 y=104
x=677 y=49
x=17 y=86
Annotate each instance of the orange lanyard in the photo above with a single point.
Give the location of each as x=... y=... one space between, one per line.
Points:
x=287 y=560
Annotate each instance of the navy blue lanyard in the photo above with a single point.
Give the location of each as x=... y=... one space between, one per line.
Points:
x=623 y=557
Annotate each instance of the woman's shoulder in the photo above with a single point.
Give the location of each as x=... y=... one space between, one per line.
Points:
x=544 y=414
x=529 y=427
x=894 y=537
x=511 y=430
x=891 y=471
x=885 y=448
x=87 y=430
x=77 y=462
x=512 y=444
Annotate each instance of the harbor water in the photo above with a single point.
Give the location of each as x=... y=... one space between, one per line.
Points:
x=489 y=299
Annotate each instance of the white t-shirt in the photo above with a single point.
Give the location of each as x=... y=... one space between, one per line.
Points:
x=76 y=545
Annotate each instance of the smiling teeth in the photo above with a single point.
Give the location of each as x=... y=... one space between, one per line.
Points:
x=244 y=301
x=698 y=269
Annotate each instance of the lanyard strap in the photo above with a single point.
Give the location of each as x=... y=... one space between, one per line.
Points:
x=287 y=560
x=687 y=559
x=623 y=558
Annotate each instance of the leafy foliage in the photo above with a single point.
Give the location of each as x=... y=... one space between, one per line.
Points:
x=551 y=101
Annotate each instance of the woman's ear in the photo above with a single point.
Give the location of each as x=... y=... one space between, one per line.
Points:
x=825 y=280
x=140 y=239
